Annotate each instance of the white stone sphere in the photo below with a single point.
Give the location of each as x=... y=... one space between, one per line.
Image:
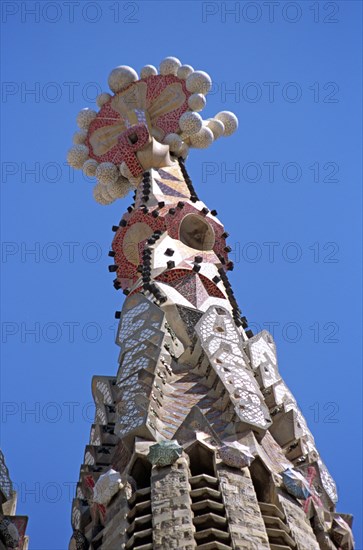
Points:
x=106 y=173
x=203 y=139
x=119 y=188
x=184 y=71
x=90 y=167
x=229 y=120
x=80 y=137
x=199 y=82
x=174 y=141
x=190 y=123
x=106 y=195
x=125 y=171
x=169 y=65
x=77 y=156
x=196 y=102
x=216 y=126
x=148 y=70
x=85 y=117
x=97 y=194
x=102 y=99
x=121 y=77
x=184 y=151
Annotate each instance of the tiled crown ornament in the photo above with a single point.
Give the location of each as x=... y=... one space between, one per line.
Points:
x=145 y=123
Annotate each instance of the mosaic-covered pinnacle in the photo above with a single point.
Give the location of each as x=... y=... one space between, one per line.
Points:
x=145 y=123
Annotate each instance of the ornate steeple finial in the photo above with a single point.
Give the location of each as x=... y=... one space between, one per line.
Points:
x=146 y=123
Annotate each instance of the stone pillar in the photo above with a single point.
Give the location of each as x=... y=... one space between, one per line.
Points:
x=245 y=521
x=171 y=507
x=114 y=534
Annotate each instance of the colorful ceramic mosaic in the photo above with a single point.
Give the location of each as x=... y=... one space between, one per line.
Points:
x=164 y=453
x=296 y=484
x=156 y=215
x=145 y=121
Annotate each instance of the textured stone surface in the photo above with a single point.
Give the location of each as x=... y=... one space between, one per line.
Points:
x=114 y=534
x=171 y=506
x=222 y=344
x=244 y=516
x=299 y=525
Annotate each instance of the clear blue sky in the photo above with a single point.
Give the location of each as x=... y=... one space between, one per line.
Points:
x=292 y=208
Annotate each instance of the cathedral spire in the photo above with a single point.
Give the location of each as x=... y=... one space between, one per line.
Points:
x=197 y=440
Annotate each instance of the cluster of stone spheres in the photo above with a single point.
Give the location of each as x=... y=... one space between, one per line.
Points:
x=197 y=441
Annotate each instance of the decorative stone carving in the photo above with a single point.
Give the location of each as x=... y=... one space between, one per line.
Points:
x=164 y=453
x=296 y=484
x=107 y=486
x=142 y=122
x=235 y=455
